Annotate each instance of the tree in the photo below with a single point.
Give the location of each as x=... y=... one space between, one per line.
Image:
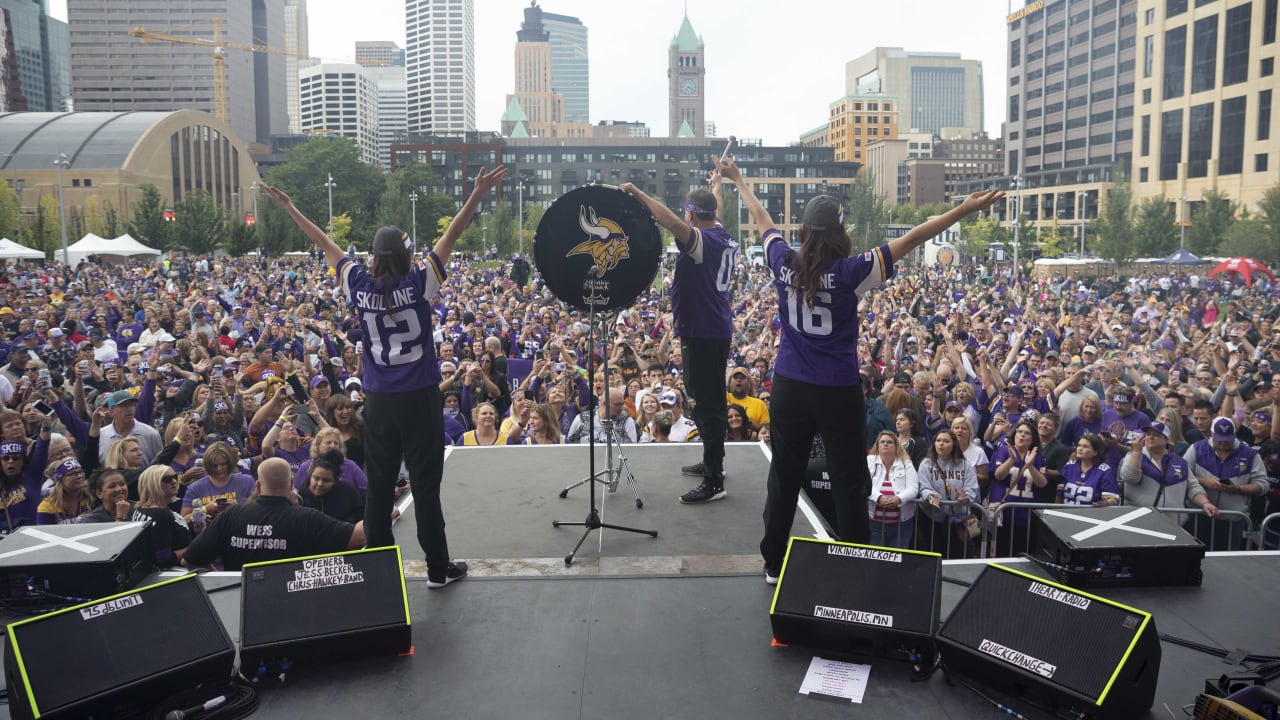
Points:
x=357 y=186
x=241 y=237
x=48 y=225
x=1154 y=233
x=1210 y=223
x=275 y=232
x=199 y=226
x=1269 y=212
x=533 y=213
x=10 y=209
x=1113 y=227
x=1051 y=241
x=341 y=229
x=395 y=207
x=1247 y=238
x=863 y=213
x=976 y=236
x=148 y=225
x=111 y=223
x=91 y=217
x=730 y=212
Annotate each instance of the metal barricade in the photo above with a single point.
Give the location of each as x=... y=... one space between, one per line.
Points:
x=1221 y=533
x=1268 y=539
x=946 y=538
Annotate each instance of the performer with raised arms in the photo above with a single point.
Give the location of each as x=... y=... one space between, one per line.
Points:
x=816 y=380
x=703 y=321
x=403 y=420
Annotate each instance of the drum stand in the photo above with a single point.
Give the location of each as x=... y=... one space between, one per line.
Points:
x=612 y=475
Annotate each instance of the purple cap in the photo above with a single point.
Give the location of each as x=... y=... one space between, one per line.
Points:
x=1161 y=428
x=1224 y=430
x=668 y=398
x=319 y=380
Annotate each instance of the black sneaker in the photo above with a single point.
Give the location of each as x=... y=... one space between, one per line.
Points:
x=692 y=470
x=704 y=493
x=456 y=571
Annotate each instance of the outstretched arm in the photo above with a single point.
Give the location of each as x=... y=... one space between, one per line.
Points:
x=332 y=253
x=758 y=214
x=484 y=183
x=667 y=219
x=916 y=236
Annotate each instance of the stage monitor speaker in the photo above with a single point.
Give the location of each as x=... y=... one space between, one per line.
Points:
x=117 y=656
x=1122 y=545
x=1053 y=645
x=79 y=562
x=324 y=608
x=857 y=598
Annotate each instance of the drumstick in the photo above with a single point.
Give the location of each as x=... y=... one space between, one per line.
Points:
x=724 y=155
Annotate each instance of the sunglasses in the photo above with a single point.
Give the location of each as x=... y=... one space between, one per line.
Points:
x=170 y=478
x=12 y=457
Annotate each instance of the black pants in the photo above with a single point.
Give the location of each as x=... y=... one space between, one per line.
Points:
x=797 y=410
x=705 y=362
x=406 y=426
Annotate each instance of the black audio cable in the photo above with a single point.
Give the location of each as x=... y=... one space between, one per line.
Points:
x=221 y=701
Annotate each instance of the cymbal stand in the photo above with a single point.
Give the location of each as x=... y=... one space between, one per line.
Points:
x=592 y=521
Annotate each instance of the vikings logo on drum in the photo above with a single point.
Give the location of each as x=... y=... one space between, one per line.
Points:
x=608 y=244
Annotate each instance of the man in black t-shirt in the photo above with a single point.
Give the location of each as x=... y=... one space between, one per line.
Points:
x=271 y=527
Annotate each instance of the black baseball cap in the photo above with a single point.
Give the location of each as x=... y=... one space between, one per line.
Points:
x=391 y=240
x=822 y=213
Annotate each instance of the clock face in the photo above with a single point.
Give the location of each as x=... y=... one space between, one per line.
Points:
x=688 y=87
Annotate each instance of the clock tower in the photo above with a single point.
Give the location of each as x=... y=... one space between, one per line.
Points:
x=686 y=92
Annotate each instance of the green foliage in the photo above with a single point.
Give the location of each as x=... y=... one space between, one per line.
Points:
x=976 y=236
x=47 y=230
x=1154 y=231
x=148 y=225
x=340 y=229
x=275 y=232
x=91 y=218
x=1210 y=223
x=1053 y=243
x=863 y=211
x=1113 y=227
x=395 y=207
x=10 y=224
x=1269 y=214
x=199 y=226
x=1247 y=238
x=241 y=238
x=357 y=186
x=112 y=225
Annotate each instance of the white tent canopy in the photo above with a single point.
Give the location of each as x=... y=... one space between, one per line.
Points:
x=10 y=250
x=118 y=248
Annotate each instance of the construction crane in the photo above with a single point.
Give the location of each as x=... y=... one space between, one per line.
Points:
x=220 y=48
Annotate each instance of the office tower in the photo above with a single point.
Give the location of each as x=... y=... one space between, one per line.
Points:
x=858 y=121
x=440 y=66
x=687 y=97
x=113 y=71
x=1206 y=83
x=295 y=41
x=533 y=93
x=570 y=69
x=40 y=53
x=341 y=99
x=936 y=90
x=379 y=53
x=393 y=116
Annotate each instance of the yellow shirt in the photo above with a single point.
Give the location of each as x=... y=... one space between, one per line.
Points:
x=757 y=409
x=469 y=438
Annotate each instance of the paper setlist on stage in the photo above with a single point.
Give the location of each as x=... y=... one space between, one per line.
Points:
x=835 y=679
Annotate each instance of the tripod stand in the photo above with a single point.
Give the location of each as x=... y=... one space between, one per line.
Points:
x=612 y=475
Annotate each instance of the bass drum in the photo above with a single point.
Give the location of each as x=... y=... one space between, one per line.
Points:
x=597 y=248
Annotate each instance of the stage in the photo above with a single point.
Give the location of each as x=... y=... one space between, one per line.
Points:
x=672 y=627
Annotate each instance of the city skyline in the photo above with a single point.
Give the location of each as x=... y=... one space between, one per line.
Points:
x=801 y=77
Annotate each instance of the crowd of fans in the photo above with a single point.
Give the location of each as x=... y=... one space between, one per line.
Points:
x=157 y=391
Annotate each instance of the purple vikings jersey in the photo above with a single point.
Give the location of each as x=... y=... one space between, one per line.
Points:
x=820 y=343
x=1087 y=488
x=700 y=291
x=398 y=352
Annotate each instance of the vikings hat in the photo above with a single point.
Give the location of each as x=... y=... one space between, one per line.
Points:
x=822 y=213
x=391 y=240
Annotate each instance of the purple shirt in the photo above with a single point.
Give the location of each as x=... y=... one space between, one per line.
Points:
x=203 y=491
x=1087 y=488
x=398 y=352
x=820 y=343
x=700 y=291
x=351 y=474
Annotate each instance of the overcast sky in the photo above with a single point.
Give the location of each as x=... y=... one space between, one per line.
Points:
x=772 y=67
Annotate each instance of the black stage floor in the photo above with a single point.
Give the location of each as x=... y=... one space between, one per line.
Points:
x=672 y=627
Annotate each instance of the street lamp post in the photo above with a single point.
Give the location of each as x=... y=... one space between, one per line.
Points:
x=262 y=251
x=17 y=190
x=1017 y=220
x=413 y=201
x=330 y=185
x=1080 y=216
x=520 y=227
x=1182 y=223
x=60 y=163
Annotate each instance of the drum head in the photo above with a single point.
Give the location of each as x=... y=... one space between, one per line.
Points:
x=597 y=248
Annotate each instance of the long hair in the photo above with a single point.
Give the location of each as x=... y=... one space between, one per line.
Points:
x=550 y=422
x=115 y=455
x=389 y=267
x=151 y=492
x=818 y=250
x=956 y=452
